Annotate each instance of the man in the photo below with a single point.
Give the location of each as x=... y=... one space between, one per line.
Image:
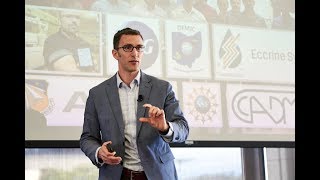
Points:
x=249 y=17
x=36 y=105
x=208 y=11
x=65 y=50
x=186 y=12
x=113 y=6
x=223 y=6
x=234 y=14
x=285 y=18
x=36 y=96
x=149 y=8
x=134 y=113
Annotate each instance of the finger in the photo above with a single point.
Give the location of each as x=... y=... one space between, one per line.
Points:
x=147 y=120
x=159 y=112
x=155 y=111
x=152 y=111
x=114 y=160
x=107 y=155
x=149 y=110
x=107 y=142
x=144 y=120
x=147 y=105
x=111 y=154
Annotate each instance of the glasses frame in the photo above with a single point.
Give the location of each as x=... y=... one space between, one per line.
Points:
x=141 y=47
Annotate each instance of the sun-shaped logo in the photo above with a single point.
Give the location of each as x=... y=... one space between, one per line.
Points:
x=202 y=103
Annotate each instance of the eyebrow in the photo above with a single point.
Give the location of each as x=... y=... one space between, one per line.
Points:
x=133 y=45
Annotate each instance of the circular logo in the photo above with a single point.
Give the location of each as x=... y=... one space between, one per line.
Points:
x=151 y=43
x=202 y=104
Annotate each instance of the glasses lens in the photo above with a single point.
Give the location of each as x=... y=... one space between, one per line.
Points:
x=140 y=48
x=129 y=48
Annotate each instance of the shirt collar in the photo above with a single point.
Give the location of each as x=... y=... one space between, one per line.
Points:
x=136 y=80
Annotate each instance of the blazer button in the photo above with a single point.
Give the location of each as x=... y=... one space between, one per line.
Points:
x=176 y=138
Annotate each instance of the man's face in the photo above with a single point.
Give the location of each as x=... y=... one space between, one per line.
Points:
x=70 y=22
x=129 y=61
x=248 y=3
x=223 y=5
x=235 y=4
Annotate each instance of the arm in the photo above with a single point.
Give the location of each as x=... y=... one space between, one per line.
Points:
x=90 y=139
x=175 y=116
x=170 y=116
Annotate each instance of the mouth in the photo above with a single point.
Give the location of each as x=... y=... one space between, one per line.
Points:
x=134 y=61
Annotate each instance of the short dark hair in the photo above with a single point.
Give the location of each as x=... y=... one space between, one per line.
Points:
x=125 y=31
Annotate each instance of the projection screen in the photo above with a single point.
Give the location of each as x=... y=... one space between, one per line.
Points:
x=231 y=63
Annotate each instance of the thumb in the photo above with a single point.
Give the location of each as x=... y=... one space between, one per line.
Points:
x=144 y=119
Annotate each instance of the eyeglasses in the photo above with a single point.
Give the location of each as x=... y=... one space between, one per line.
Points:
x=129 y=48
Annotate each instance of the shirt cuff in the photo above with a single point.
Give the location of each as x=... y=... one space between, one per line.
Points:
x=97 y=159
x=168 y=137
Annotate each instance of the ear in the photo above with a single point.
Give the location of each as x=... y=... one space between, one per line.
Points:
x=115 y=54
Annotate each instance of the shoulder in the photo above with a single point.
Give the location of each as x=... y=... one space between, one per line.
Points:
x=178 y=11
x=101 y=86
x=54 y=37
x=54 y=40
x=197 y=14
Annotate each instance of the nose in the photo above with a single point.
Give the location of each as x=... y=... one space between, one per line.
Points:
x=134 y=52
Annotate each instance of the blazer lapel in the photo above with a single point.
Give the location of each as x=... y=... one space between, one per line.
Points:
x=114 y=100
x=144 y=90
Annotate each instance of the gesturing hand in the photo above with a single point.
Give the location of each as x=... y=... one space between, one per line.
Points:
x=156 y=118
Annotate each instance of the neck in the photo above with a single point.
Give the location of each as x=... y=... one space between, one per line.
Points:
x=127 y=77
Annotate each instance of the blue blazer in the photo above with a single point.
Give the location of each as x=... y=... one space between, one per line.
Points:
x=103 y=121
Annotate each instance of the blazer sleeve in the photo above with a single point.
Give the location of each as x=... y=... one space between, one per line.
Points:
x=175 y=115
x=90 y=138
